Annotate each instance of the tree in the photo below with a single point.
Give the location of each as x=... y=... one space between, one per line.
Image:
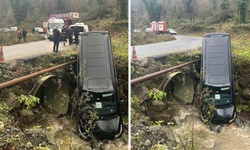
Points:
x=242 y=6
x=123 y=4
x=189 y=8
x=154 y=9
x=224 y=5
x=20 y=9
x=157 y=13
x=100 y=2
x=215 y=3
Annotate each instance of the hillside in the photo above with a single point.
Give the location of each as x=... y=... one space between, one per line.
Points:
x=29 y=13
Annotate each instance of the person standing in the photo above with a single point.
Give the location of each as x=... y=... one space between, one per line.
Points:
x=19 y=34
x=56 y=36
x=24 y=33
x=33 y=30
x=76 y=32
x=64 y=35
x=70 y=33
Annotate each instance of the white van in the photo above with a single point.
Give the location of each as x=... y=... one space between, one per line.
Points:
x=52 y=23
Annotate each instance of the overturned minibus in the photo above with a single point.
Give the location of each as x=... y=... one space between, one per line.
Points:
x=217 y=79
x=99 y=106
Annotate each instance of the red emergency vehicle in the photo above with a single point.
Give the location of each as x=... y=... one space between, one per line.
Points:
x=159 y=27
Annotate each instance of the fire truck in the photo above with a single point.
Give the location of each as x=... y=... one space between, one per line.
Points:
x=68 y=18
x=159 y=27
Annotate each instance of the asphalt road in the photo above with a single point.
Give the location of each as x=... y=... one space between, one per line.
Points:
x=156 y=50
x=31 y=49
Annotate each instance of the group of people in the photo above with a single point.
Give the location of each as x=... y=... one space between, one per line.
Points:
x=21 y=34
x=66 y=33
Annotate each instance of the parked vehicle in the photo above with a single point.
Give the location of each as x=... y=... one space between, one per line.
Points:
x=159 y=27
x=5 y=30
x=217 y=80
x=13 y=29
x=68 y=18
x=39 y=30
x=50 y=25
x=148 y=30
x=153 y=26
x=171 y=31
x=82 y=28
x=100 y=90
x=136 y=30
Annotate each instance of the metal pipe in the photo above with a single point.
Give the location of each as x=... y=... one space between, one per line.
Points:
x=24 y=78
x=148 y=76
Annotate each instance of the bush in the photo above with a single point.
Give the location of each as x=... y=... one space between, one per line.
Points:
x=10 y=38
x=147 y=38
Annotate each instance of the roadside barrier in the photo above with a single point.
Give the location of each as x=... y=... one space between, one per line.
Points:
x=1 y=55
x=134 y=56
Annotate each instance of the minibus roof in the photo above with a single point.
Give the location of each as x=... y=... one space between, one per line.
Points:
x=95 y=55
x=217 y=60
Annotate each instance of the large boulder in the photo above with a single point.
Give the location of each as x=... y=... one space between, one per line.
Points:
x=12 y=102
x=246 y=93
x=143 y=62
x=27 y=116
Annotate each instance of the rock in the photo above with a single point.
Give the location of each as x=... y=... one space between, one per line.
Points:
x=237 y=87
x=109 y=142
x=143 y=93
x=29 y=145
x=209 y=143
x=143 y=62
x=52 y=147
x=148 y=142
x=97 y=145
x=51 y=139
x=35 y=131
x=15 y=130
x=43 y=144
x=105 y=147
x=12 y=102
x=246 y=93
x=124 y=137
x=12 y=65
x=138 y=72
x=169 y=135
x=84 y=147
x=27 y=116
x=241 y=100
x=118 y=143
x=187 y=69
x=1 y=126
x=244 y=81
x=159 y=105
x=161 y=117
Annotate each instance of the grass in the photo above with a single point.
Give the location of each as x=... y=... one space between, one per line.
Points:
x=147 y=38
x=10 y=38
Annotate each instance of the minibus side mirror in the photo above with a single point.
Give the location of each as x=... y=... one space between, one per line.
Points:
x=237 y=94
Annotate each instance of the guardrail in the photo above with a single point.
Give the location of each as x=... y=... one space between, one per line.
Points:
x=148 y=76
x=24 y=78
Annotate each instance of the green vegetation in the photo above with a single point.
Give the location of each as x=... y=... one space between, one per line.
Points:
x=7 y=39
x=29 y=102
x=147 y=38
x=154 y=9
x=159 y=95
x=244 y=108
